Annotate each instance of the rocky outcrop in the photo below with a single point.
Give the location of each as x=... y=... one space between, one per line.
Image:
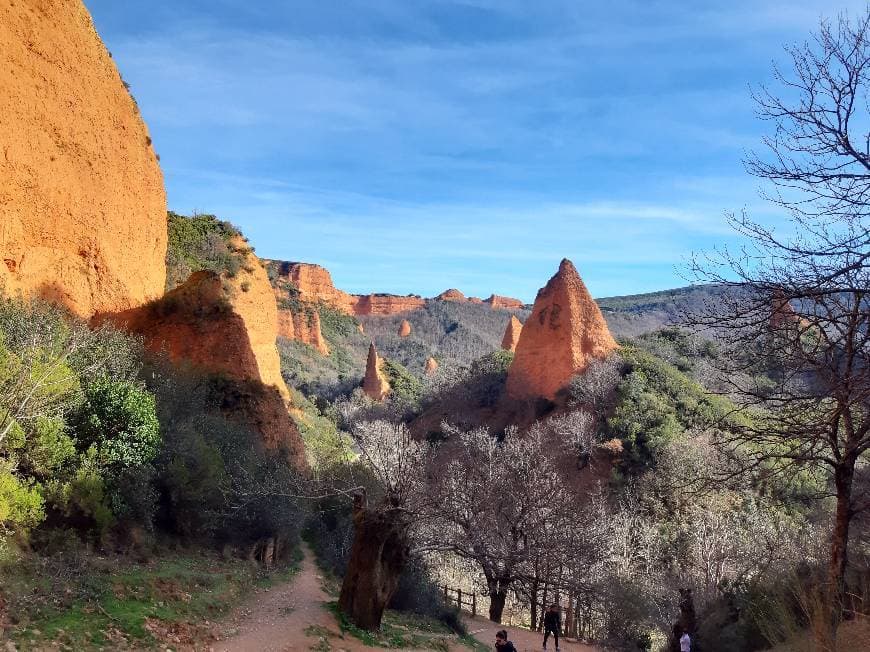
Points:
x=782 y=313
x=303 y=326
x=313 y=284
x=404 y=328
x=512 y=334
x=564 y=333
x=451 y=295
x=227 y=325
x=431 y=365
x=309 y=283
x=497 y=302
x=386 y=304
x=375 y=383
x=82 y=204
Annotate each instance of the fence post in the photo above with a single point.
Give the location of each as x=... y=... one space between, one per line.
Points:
x=474 y=604
x=459 y=598
x=445 y=593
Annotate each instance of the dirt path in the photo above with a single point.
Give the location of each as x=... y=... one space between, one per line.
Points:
x=293 y=616
x=290 y=617
x=524 y=640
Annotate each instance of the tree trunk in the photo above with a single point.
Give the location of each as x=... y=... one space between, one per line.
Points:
x=836 y=589
x=497 y=598
x=377 y=557
x=533 y=603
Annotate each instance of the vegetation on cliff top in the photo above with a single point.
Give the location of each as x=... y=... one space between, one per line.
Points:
x=199 y=242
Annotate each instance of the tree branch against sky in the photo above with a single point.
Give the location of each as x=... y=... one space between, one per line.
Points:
x=796 y=313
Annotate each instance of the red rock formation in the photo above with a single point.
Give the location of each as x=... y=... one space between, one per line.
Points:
x=497 y=302
x=475 y=300
x=404 y=328
x=431 y=365
x=82 y=204
x=227 y=326
x=311 y=283
x=563 y=334
x=303 y=326
x=782 y=313
x=512 y=334
x=386 y=304
x=375 y=383
x=451 y=295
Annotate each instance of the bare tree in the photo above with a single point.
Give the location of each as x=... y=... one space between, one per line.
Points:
x=797 y=316
x=381 y=543
x=496 y=502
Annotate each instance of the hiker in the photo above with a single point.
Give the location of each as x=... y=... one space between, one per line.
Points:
x=552 y=624
x=685 y=642
x=502 y=644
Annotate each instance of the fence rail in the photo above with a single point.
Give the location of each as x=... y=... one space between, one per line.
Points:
x=465 y=601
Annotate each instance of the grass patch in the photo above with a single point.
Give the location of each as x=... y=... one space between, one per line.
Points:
x=403 y=631
x=97 y=602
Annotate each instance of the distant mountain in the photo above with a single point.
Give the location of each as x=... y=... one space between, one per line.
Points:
x=635 y=314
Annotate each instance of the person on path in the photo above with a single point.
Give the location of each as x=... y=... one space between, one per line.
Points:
x=552 y=624
x=685 y=642
x=502 y=644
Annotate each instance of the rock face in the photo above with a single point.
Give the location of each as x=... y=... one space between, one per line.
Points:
x=375 y=383
x=782 y=313
x=303 y=326
x=227 y=326
x=451 y=295
x=82 y=204
x=497 y=302
x=313 y=284
x=431 y=365
x=386 y=304
x=404 y=328
x=512 y=334
x=564 y=333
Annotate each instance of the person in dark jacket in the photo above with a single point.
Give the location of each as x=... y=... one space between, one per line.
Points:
x=552 y=624
x=502 y=644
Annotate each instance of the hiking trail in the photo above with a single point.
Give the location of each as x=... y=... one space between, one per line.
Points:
x=293 y=616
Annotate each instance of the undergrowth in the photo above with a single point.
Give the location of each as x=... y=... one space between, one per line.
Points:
x=83 y=602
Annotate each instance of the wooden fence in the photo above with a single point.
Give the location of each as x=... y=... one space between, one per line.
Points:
x=465 y=601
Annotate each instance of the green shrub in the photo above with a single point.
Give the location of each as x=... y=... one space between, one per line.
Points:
x=119 y=419
x=406 y=387
x=656 y=403
x=21 y=504
x=199 y=242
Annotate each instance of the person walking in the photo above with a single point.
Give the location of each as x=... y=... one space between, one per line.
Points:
x=685 y=642
x=502 y=644
x=552 y=624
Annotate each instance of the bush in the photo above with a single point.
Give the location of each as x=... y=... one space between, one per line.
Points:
x=418 y=594
x=21 y=505
x=120 y=420
x=199 y=242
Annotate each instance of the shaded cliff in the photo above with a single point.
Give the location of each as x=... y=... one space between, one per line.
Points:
x=82 y=204
x=226 y=324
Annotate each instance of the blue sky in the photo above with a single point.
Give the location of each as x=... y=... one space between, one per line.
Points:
x=411 y=146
